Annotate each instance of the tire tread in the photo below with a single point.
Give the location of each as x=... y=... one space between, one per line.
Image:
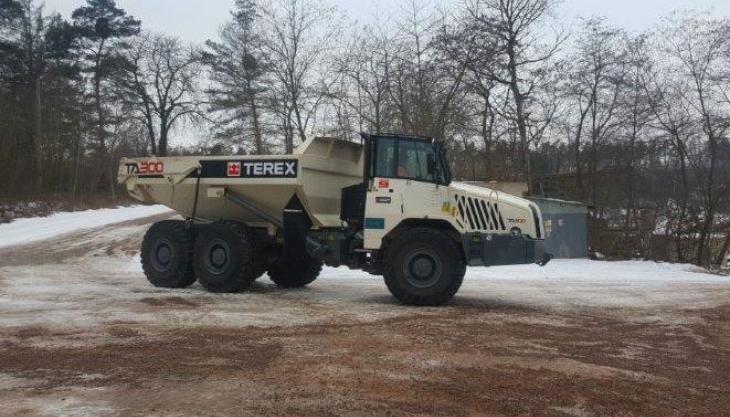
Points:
x=247 y=269
x=391 y=265
x=184 y=274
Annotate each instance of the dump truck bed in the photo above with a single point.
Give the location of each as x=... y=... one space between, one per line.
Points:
x=315 y=173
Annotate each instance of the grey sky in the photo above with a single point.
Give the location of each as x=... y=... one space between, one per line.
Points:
x=195 y=20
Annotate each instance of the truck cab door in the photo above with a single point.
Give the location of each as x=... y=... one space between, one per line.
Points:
x=424 y=192
x=383 y=204
x=405 y=182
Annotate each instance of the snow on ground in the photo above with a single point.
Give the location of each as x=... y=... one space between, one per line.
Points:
x=31 y=230
x=567 y=284
x=99 y=289
x=565 y=270
x=86 y=334
x=600 y=271
x=101 y=283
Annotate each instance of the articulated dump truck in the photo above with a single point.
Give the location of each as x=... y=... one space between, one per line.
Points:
x=388 y=207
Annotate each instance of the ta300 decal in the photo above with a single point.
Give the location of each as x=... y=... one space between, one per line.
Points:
x=146 y=168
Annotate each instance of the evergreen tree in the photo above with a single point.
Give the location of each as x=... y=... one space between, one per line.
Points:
x=238 y=67
x=102 y=30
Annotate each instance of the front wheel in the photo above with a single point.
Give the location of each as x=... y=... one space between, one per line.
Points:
x=423 y=267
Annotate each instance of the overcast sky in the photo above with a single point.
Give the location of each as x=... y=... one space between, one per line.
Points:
x=196 y=20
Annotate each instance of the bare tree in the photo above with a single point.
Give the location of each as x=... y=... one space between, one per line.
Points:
x=596 y=84
x=366 y=65
x=638 y=115
x=162 y=86
x=723 y=83
x=298 y=35
x=515 y=25
x=695 y=44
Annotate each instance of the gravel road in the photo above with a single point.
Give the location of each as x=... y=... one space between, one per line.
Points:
x=83 y=334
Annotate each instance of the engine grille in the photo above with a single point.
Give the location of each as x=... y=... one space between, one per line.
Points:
x=480 y=215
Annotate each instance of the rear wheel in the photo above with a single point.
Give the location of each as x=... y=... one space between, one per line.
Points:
x=296 y=273
x=226 y=257
x=167 y=255
x=423 y=267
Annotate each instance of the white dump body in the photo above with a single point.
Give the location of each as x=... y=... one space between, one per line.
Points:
x=315 y=173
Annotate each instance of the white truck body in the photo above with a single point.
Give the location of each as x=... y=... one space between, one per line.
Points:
x=344 y=203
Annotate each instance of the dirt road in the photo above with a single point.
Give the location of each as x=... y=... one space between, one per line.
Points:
x=83 y=334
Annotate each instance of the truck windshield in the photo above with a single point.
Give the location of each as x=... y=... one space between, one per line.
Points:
x=418 y=160
x=412 y=159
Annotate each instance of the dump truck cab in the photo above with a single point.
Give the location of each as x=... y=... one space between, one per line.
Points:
x=388 y=206
x=407 y=183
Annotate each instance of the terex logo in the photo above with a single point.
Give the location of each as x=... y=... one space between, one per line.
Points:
x=270 y=169
x=257 y=168
x=234 y=169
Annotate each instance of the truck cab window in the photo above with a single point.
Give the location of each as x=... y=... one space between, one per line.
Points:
x=385 y=160
x=417 y=160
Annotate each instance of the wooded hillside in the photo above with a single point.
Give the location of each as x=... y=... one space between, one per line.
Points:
x=636 y=125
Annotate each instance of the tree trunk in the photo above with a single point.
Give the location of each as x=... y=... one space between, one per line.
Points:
x=630 y=179
x=37 y=136
x=722 y=256
x=703 y=255
x=258 y=140
x=163 y=142
x=684 y=202
x=487 y=136
x=300 y=128
x=289 y=135
x=576 y=153
x=703 y=249
x=520 y=118
x=100 y=120
x=112 y=180
x=77 y=164
x=151 y=137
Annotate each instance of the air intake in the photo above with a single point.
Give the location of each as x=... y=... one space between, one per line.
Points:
x=478 y=215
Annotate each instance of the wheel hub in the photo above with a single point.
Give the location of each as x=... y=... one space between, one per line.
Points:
x=422 y=269
x=162 y=255
x=218 y=257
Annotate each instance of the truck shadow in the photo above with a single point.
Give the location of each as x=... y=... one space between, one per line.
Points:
x=473 y=304
x=264 y=287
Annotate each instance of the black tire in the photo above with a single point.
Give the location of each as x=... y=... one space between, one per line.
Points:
x=296 y=273
x=423 y=267
x=167 y=255
x=226 y=257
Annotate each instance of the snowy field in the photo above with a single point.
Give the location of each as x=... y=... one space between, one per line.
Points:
x=23 y=231
x=89 y=273
x=82 y=333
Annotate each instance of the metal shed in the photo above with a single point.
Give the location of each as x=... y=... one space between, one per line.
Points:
x=566 y=226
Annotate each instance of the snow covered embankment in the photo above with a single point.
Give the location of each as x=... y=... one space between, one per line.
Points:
x=24 y=231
